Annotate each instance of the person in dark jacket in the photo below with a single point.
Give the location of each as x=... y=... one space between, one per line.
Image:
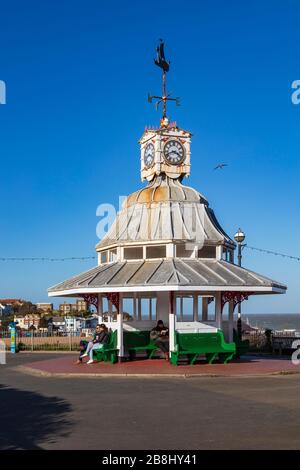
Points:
x=101 y=337
x=160 y=336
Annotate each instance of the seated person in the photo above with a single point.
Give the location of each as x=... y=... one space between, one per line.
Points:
x=160 y=336
x=101 y=337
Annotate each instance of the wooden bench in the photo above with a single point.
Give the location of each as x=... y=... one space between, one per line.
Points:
x=109 y=352
x=135 y=341
x=212 y=345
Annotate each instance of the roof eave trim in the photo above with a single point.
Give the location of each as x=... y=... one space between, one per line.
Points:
x=153 y=288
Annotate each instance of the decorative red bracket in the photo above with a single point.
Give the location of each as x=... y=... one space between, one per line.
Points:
x=114 y=298
x=236 y=297
x=91 y=299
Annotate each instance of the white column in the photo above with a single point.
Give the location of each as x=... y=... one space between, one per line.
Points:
x=230 y=322
x=162 y=306
x=181 y=308
x=195 y=307
x=134 y=306
x=120 y=345
x=170 y=250
x=109 y=310
x=100 y=309
x=219 y=251
x=172 y=323
x=194 y=253
x=218 y=307
x=204 y=308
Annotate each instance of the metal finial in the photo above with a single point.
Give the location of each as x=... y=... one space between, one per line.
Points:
x=161 y=62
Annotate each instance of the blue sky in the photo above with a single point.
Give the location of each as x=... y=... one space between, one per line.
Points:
x=77 y=76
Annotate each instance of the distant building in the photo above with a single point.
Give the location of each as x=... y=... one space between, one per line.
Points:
x=27 y=321
x=74 y=324
x=79 y=306
x=5 y=309
x=44 y=306
x=57 y=323
x=7 y=305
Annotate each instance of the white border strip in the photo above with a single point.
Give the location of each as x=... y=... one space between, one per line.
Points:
x=95 y=290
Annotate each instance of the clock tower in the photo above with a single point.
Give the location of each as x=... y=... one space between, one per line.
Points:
x=165 y=150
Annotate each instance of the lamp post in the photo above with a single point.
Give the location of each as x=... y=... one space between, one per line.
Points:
x=239 y=238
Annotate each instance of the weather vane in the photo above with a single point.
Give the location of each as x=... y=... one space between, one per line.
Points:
x=161 y=62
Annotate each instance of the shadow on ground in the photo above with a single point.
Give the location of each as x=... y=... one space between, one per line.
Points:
x=29 y=418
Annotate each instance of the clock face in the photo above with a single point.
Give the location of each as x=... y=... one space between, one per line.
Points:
x=174 y=152
x=149 y=155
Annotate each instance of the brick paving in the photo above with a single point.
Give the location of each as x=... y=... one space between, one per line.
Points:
x=248 y=366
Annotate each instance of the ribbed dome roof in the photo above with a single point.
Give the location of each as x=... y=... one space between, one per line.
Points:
x=164 y=189
x=165 y=210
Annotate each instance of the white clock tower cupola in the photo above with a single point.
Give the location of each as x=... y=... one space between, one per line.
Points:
x=165 y=150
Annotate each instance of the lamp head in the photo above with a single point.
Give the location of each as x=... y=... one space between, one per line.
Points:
x=239 y=236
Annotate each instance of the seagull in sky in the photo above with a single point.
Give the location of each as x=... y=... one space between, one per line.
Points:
x=220 y=166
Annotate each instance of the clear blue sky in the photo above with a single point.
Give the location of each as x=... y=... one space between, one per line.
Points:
x=77 y=76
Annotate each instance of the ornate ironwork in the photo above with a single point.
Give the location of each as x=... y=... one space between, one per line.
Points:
x=91 y=299
x=235 y=297
x=114 y=298
x=161 y=62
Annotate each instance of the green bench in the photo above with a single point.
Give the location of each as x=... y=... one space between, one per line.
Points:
x=242 y=345
x=212 y=345
x=109 y=352
x=135 y=341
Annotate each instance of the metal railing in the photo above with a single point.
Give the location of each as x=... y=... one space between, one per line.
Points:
x=41 y=341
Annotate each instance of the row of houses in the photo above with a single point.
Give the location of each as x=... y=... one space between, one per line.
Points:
x=7 y=307
x=57 y=323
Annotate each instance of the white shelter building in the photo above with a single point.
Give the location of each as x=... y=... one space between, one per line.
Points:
x=166 y=255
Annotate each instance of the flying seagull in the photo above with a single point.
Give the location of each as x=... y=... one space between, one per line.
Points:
x=220 y=166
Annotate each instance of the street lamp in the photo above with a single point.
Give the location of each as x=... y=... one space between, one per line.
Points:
x=239 y=238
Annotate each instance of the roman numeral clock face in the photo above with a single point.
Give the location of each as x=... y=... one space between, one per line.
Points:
x=174 y=152
x=149 y=155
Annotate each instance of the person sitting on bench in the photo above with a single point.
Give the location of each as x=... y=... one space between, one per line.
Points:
x=160 y=336
x=100 y=338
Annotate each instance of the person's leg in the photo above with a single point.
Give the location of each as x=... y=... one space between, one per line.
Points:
x=94 y=347
x=166 y=350
x=163 y=344
x=83 y=345
x=89 y=347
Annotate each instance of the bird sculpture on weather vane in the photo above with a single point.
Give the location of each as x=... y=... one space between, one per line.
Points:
x=162 y=63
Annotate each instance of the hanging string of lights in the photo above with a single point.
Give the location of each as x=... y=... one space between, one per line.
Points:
x=269 y=252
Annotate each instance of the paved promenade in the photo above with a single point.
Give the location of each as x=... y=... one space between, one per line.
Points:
x=248 y=366
x=40 y=412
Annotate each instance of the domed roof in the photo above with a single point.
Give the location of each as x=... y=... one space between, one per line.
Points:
x=164 y=189
x=165 y=210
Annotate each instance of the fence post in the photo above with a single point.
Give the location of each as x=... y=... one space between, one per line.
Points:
x=32 y=340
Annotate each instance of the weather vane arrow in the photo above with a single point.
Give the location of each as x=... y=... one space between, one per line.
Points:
x=162 y=63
